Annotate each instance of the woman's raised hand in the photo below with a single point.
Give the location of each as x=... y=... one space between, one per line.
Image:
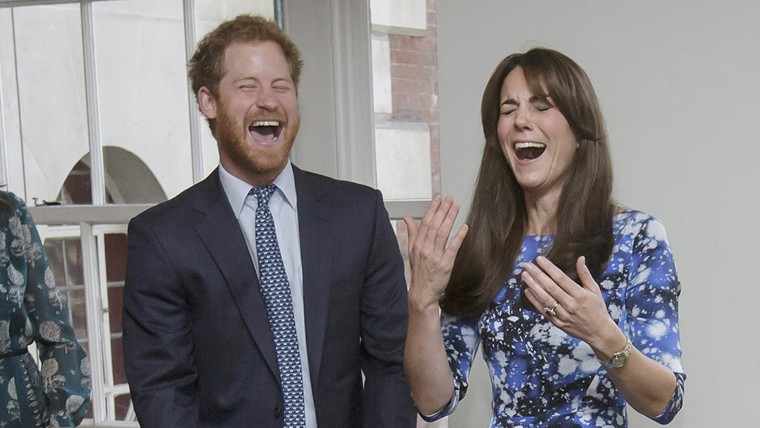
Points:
x=578 y=309
x=431 y=255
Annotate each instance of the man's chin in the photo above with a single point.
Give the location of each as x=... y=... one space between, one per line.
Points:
x=261 y=170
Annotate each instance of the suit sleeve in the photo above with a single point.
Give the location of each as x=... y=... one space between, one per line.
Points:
x=387 y=399
x=158 y=347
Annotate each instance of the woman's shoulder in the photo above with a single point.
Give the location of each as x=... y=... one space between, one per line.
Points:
x=13 y=201
x=628 y=221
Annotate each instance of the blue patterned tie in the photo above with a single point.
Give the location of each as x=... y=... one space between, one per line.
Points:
x=273 y=282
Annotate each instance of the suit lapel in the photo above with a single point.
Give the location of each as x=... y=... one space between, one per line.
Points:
x=219 y=230
x=313 y=224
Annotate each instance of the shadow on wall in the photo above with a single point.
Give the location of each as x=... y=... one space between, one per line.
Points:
x=128 y=180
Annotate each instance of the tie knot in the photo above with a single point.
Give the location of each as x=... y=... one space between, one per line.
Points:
x=263 y=194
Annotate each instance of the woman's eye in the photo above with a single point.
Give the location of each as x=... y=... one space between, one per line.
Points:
x=507 y=112
x=543 y=107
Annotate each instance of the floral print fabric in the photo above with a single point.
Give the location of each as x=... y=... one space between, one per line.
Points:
x=57 y=394
x=542 y=377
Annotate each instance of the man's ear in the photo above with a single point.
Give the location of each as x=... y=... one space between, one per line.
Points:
x=207 y=102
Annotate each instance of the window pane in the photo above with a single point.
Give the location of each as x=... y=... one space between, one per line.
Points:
x=209 y=13
x=65 y=259
x=14 y=172
x=51 y=102
x=405 y=86
x=142 y=84
x=116 y=261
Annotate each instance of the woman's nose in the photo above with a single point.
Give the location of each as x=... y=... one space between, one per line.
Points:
x=522 y=118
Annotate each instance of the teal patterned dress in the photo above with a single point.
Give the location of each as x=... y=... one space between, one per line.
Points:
x=57 y=392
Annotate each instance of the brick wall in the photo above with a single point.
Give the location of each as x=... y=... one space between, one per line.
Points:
x=414 y=83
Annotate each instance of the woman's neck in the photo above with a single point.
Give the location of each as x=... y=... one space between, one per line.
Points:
x=541 y=214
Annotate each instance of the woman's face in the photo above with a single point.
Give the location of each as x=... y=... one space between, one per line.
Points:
x=535 y=138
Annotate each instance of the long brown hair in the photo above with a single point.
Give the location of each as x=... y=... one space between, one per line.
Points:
x=498 y=216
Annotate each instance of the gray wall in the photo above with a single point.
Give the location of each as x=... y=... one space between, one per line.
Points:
x=679 y=86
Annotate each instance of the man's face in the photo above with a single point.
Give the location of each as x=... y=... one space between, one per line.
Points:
x=256 y=111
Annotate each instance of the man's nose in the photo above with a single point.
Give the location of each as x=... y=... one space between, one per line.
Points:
x=267 y=99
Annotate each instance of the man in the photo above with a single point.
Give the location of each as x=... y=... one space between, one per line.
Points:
x=206 y=341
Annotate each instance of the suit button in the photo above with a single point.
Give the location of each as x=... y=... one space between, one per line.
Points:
x=277 y=413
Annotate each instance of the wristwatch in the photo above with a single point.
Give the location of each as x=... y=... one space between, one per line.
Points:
x=619 y=358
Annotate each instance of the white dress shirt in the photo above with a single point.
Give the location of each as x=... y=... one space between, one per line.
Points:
x=284 y=207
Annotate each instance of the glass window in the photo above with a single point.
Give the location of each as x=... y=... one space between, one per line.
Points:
x=138 y=90
x=142 y=91
x=65 y=259
x=143 y=111
x=46 y=42
x=405 y=92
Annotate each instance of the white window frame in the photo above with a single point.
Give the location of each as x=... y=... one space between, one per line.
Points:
x=91 y=222
x=336 y=139
x=335 y=93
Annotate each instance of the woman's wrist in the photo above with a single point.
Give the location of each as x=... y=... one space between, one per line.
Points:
x=611 y=340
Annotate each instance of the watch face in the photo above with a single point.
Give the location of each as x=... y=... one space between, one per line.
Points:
x=618 y=360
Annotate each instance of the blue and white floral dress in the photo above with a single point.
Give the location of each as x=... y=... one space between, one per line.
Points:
x=541 y=376
x=31 y=311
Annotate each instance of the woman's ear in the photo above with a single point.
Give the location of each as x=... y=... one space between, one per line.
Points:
x=207 y=102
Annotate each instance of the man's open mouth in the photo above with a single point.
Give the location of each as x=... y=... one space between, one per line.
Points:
x=265 y=131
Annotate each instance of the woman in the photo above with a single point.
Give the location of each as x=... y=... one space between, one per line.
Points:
x=574 y=298
x=30 y=310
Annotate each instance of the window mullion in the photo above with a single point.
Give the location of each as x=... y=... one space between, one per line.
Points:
x=352 y=70
x=93 y=302
x=17 y=3
x=3 y=151
x=196 y=147
x=97 y=168
x=105 y=343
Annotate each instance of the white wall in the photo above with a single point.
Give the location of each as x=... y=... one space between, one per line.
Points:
x=679 y=86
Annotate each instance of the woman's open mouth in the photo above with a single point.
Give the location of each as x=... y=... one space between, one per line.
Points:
x=529 y=150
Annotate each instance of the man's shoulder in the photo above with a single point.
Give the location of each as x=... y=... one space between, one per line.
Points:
x=179 y=207
x=335 y=187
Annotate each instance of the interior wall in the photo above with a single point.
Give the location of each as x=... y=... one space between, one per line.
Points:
x=678 y=85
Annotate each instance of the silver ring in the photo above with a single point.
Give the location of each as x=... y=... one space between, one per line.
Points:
x=550 y=310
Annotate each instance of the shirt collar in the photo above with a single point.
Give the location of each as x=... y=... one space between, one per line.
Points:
x=237 y=190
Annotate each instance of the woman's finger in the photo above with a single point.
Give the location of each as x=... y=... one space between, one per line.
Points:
x=560 y=278
x=585 y=276
x=538 y=285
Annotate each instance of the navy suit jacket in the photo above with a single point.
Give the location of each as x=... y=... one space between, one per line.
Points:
x=198 y=348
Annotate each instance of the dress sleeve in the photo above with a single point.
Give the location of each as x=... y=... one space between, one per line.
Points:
x=461 y=340
x=652 y=306
x=65 y=367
